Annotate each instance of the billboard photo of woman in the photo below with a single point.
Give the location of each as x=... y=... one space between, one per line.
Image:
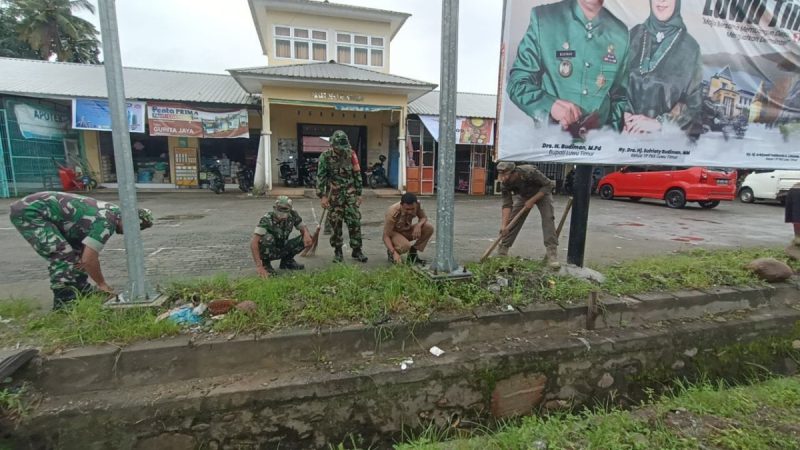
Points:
x=665 y=73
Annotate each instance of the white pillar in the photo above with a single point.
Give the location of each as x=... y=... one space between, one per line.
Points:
x=263 y=177
x=267 y=138
x=260 y=179
x=401 y=143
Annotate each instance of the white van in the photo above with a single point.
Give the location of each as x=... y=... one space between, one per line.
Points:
x=768 y=185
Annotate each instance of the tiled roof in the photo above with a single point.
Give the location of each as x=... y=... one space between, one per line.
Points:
x=467 y=105
x=331 y=71
x=43 y=78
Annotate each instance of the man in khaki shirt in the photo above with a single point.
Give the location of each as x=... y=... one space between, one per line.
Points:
x=523 y=187
x=398 y=231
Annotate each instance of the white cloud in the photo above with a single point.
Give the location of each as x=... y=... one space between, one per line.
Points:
x=215 y=35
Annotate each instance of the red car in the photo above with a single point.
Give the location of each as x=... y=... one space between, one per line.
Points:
x=675 y=187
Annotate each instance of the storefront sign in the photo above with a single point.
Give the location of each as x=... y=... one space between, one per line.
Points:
x=39 y=121
x=469 y=130
x=363 y=108
x=186 y=167
x=336 y=96
x=91 y=114
x=175 y=119
x=693 y=83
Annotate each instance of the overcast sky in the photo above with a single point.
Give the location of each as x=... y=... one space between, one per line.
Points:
x=215 y=35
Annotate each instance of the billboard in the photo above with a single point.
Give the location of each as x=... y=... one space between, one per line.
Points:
x=662 y=82
x=181 y=120
x=93 y=114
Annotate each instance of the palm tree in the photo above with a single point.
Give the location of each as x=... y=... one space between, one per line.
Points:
x=10 y=44
x=50 y=28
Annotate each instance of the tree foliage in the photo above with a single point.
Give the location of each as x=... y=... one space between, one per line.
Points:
x=47 y=29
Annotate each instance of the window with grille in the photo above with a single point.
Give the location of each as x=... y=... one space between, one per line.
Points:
x=300 y=43
x=359 y=49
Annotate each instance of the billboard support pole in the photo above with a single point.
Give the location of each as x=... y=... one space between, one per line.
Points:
x=579 y=221
x=447 y=145
x=139 y=290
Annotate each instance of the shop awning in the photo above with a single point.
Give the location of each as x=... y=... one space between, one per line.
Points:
x=469 y=130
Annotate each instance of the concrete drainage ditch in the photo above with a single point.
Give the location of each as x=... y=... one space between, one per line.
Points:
x=308 y=388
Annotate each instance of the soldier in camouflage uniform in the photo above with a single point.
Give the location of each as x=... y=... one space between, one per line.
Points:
x=271 y=238
x=70 y=230
x=522 y=187
x=339 y=186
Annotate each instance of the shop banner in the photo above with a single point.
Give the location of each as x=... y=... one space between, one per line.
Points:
x=175 y=119
x=469 y=130
x=39 y=121
x=679 y=83
x=91 y=114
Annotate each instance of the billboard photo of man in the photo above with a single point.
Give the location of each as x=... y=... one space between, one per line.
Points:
x=570 y=67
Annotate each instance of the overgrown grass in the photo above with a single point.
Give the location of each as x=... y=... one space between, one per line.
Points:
x=87 y=322
x=755 y=417
x=696 y=269
x=346 y=294
x=12 y=403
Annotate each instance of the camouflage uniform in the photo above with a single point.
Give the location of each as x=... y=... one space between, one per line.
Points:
x=58 y=225
x=274 y=229
x=339 y=177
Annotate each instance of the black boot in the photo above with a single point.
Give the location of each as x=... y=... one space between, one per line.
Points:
x=413 y=257
x=290 y=264
x=338 y=256
x=390 y=255
x=359 y=256
x=62 y=297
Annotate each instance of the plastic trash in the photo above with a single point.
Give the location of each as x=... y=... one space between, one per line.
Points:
x=404 y=365
x=185 y=315
x=436 y=351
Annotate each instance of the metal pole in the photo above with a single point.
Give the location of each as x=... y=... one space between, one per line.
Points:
x=447 y=145
x=122 y=152
x=579 y=220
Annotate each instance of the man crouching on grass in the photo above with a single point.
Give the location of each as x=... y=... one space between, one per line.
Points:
x=271 y=238
x=401 y=236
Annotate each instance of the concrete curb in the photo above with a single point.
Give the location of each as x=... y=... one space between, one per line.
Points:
x=318 y=407
x=182 y=358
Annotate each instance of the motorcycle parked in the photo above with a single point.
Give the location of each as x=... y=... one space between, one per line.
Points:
x=288 y=173
x=217 y=182
x=309 y=174
x=377 y=177
x=246 y=178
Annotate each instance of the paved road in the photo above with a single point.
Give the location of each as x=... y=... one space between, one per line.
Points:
x=199 y=234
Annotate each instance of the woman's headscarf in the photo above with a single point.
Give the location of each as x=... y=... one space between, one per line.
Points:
x=668 y=30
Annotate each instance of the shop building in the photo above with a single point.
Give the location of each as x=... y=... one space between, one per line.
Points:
x=329 y=68
x=38 y=100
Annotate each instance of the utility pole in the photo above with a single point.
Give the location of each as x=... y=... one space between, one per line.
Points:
x=139 y=290
x=445 y=261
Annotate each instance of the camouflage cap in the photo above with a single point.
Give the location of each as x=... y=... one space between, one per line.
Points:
x=145 y=218
x=339 y=139
x=506 y=166
x=283 y=206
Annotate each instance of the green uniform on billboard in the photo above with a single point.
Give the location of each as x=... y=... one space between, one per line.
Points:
x=339 y=185
x=571 y=70
x=59 y=226
x=273 y=233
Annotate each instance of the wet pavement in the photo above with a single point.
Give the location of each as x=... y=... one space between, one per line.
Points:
x=201 y=234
